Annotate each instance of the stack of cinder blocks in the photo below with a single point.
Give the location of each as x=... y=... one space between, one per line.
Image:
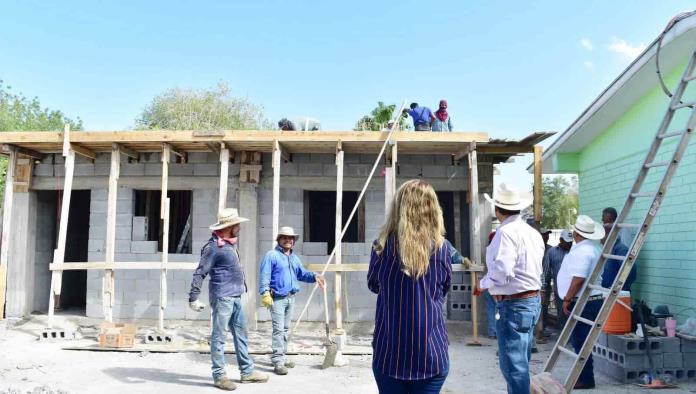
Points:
x=624 y=359
x=459 y=297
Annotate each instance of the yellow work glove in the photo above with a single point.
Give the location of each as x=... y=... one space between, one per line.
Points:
x=267 y=300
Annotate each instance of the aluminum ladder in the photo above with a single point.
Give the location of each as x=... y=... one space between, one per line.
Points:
x=611 y=294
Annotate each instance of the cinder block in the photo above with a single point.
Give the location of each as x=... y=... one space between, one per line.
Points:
x=460 y=293
x=671 y=345
x=205 y=169
x=139 y=229
x=688 y=346
x=152 y=169
x=143 y=246
x=314 y=248
x=356 y=170
x=672 y=360
x=602 y=339
x=198 y=157
x=629 y=345
x=122 y=232
x=410 y=170
x=434 y=171
x=133 y=169
x=43 y=170
x=459 y=311
x=289 y=169
x=689 y=359
x=178 y=169
x=311 y=169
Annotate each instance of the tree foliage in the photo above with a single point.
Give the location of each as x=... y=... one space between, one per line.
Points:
x=201 y=109
x=379 y=119
x=560 y=201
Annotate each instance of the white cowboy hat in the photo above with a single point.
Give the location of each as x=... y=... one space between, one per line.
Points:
x=287 y=231
x=567 y=235
x=226 y=218
x=587 y=228
x=507 y=198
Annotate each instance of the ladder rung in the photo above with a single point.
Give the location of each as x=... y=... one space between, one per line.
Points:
x=671 y=134
x=583 y=320
x=657 y=164
x=689 y=79
x=567 y=351
x=613 y=256
x=599 y=288
x=648 y=194
x=627 y=225
x=684 y=105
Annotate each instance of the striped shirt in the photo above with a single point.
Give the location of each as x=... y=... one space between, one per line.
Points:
x=552 y=264
x=410 y=339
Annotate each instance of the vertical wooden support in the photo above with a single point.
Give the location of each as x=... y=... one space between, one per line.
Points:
x=108 y=281
x=164 y=216
x=538 y=195
x=339 y=229
x=59 y=253
x=475 y=231
x=390 y=179
x=224 y=171
x=6 y=226
x=276 y=189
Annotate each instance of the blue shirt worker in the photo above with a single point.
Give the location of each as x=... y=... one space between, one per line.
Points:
x=612 y=266
x=281 y=272
x=220 y=260
x=422 y=117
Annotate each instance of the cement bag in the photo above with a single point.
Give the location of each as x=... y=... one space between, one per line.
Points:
x=545 y=383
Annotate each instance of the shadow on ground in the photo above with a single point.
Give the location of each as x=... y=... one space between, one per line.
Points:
x=145 y=375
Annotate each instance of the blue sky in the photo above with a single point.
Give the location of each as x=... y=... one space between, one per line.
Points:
x=507 y=68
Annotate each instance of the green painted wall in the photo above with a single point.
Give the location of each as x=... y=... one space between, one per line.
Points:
x=607 y=168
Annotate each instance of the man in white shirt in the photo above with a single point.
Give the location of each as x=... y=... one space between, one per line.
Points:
x=513 y=259
x=577 y=266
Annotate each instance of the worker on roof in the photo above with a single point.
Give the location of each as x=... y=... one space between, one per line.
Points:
x=442 y=121
x=422 y=117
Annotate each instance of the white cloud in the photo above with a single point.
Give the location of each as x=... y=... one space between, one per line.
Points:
x=625 y=49
x=587 y=44
x=588 y=65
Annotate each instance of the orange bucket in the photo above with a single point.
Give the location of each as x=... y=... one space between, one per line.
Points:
x=619 y=321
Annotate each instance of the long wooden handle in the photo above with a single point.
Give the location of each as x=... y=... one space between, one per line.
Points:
x=474 y=306
x=326 y=307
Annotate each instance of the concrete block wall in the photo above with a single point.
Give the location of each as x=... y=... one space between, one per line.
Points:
x=45 y=239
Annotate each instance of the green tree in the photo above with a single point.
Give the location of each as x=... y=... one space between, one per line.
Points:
x=18 y=113
x=560 y=201
x=379 y=119
x=202 y=109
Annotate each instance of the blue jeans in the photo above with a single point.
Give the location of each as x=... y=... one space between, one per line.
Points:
x=281 y=315
x=229 y=315
x=578 y=336
x=515 y=330
x=490 y=313
x=388 y=385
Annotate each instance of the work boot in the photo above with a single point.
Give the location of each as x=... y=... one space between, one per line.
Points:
x=255 y=377
x=280 y=369
x=225 y=383
x=289 y=364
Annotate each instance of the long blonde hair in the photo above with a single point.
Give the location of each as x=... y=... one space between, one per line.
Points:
x=415 y=217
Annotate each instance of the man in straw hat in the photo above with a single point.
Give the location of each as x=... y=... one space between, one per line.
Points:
x=513 y=259
x=576 y=267
x=220 y=259
x=281 y=272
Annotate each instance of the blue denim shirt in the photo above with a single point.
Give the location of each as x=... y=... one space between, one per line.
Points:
x=420 y=115
x=225 y=269
x=280 y=273
x=611 y=267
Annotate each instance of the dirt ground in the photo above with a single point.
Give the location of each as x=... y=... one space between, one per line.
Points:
x=30 y=365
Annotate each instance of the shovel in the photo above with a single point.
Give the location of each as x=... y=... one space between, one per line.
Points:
x=331 y=348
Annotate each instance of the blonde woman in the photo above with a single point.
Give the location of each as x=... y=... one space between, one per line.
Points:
x=410 y=271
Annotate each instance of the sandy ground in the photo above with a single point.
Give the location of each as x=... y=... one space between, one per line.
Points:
x=29 y=365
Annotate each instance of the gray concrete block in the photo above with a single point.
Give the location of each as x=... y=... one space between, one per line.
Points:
x=311 y=169
x=357 y=170
x=139 y=229
x=123 y=219
x=689 y=360
x=96 y=245
x=434 y=171
x=314 y=248
x=122 y=232
x=671 y=345
x=43 y=170
x=198 y=157
x=410 y=170
x=323 y=158
x=99 y=194
x=688 y=346
x=178 y=169
x=672 y=360
x=133 y=169
x=154 y=169
x=143 y=247
x=122 y=246
x=602 y=339
x=289 y=169
x=629 y=345
x=206 y=169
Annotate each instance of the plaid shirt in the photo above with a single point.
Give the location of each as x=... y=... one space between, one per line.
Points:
x=552 y=264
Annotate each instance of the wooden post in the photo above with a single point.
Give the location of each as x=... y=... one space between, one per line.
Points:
x=339 y=229
x=59 y=253
x=475 y=231
x=390 y=179
x=538 y=196
x=164 y=216
x=224 y=170
x=108 y=281
x=6 y=225
x=276 y=189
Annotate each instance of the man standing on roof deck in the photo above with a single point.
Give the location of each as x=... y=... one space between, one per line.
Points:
x=577 y=266
x=422 y=117
x=513 y=259
x=220 y=259
x=553 y=259
x=281 y=270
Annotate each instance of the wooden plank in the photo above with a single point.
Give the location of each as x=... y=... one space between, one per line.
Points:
x=122 y=265
x=108 y=282
x=276 y=190
x=133 y=154
x=224 y=171
x=7 y=149
x=390 y=181
x=337 y=237
x=81 y=150
x=164 y=219
x=22 y=174
x=6 y=226
x=487 y=150
x=475 y=230
x=538 y=194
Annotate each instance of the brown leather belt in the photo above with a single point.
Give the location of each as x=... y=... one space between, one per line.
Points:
x=518 y=296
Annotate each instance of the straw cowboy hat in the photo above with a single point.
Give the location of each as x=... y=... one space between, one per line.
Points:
x=287 y=231
x=507 y=198
x=587 y=228
x=226 y=218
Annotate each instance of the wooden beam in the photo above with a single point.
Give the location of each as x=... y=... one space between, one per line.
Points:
x=108 y=283
x=176 y=151
x=487 y=150
x=224 y=171
x=8 y=148
x=338 y=307
x=390 y=180
x=276 y=190
x=6 y=226
x=122 y=265
x=59 y=253
x=538 y=195
x=285 y=153
x=214 y=147
x=475 y=230
x=129 y=152
x=22 y=174
x=82 y=151
x=164 y=219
